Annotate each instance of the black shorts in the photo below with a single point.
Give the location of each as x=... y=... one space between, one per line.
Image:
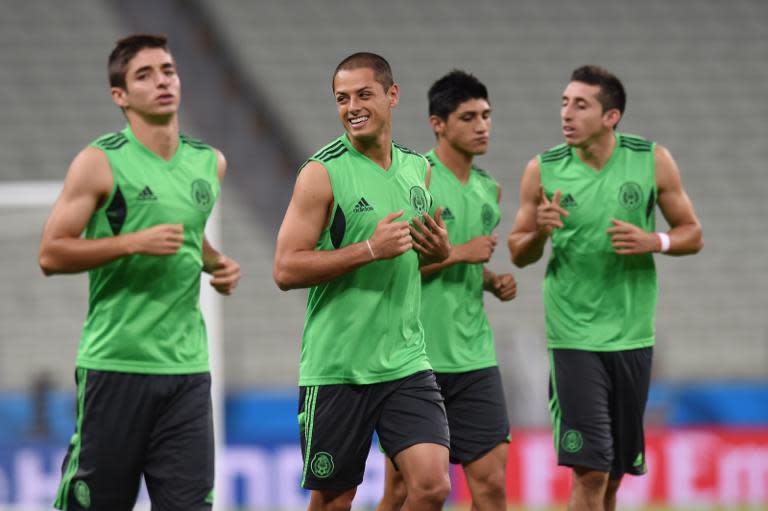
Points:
x=336 y=425
x=477 y=412
x=133 y=424
x=597 y=402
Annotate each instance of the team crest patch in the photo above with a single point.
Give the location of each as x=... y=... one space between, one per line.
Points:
x=630 y=195
x=487 y=216
x=83 y=494
x=418 y=199
x=202 y=195
x=322 y=465
x=572 y=441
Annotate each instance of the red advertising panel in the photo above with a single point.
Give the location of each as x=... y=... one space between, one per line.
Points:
x=686 y=467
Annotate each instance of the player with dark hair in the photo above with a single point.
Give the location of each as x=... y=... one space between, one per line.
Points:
x=595 y=196
x=461 y=350
x=363 y=362
x=142 y=197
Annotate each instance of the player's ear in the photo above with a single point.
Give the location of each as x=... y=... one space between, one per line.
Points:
x=612 y=117
x=438 y=125
x=394 y=95
x=118 y=97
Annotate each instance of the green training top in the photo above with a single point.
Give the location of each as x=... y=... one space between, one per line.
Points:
x=143 y=314
x=456 y=328
x=363 y=327
x=595 y=299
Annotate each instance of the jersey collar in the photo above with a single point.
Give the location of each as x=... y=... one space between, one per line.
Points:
x=168 y=164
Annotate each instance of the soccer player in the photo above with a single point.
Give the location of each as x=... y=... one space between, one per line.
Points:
x=461 y=349
x=595 y=196
x=345 y=235
x=142 y=197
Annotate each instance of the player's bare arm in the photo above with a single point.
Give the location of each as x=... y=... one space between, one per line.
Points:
x=478 y=250
x=87 y=185
x=297 y=263
x=535 y=220
x=685 y=234
x=224 y=270
x=430 y=235
x=502 y=285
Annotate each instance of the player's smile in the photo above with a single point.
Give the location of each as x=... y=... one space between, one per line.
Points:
x=359 y=122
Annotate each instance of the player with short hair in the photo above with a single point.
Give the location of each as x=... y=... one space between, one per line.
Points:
x=595 y=196
x=142 y=197
x=461 y=350
x=363 y=361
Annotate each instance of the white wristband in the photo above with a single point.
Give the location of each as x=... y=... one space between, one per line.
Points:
x=664 y=239
x=370 y=249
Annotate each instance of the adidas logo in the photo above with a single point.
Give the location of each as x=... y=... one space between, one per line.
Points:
x=448 y=214
x=568 y=201
x=362 y=206
x=639 y=462
x=146 y=194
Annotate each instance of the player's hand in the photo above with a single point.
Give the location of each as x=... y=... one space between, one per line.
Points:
x=390 y=239
x=629 y=239
x=160 y=240
x=477 y=250
x=430 y=238
x=225 y=274
x=504 y=287
x=548 y=214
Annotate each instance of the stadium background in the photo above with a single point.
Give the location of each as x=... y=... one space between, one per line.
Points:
x=256 y=82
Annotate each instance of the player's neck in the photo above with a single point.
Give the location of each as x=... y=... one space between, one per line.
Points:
x=378 y=149
x=598 y=151
x=458 y=162
x=162 y=138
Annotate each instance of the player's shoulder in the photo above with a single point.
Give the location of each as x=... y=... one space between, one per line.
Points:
x=484 y=176
x=90 y=157
x=409 y=155
x=320 y=158
x=195 y=143
x=556 y=153
x=482 y=173
x=110 y=141
x=407 y=150
x=634 y=143
x=90 y=171
x=329 y=151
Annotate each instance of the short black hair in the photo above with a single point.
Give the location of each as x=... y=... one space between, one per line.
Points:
x=453 y=89
x=382 y=71
x=611 y=93
x=127 y=48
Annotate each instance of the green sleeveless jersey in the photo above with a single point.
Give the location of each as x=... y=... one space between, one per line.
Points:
x=456 y=328
x=363 y=327
x=143 y=314
x=595 y=299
